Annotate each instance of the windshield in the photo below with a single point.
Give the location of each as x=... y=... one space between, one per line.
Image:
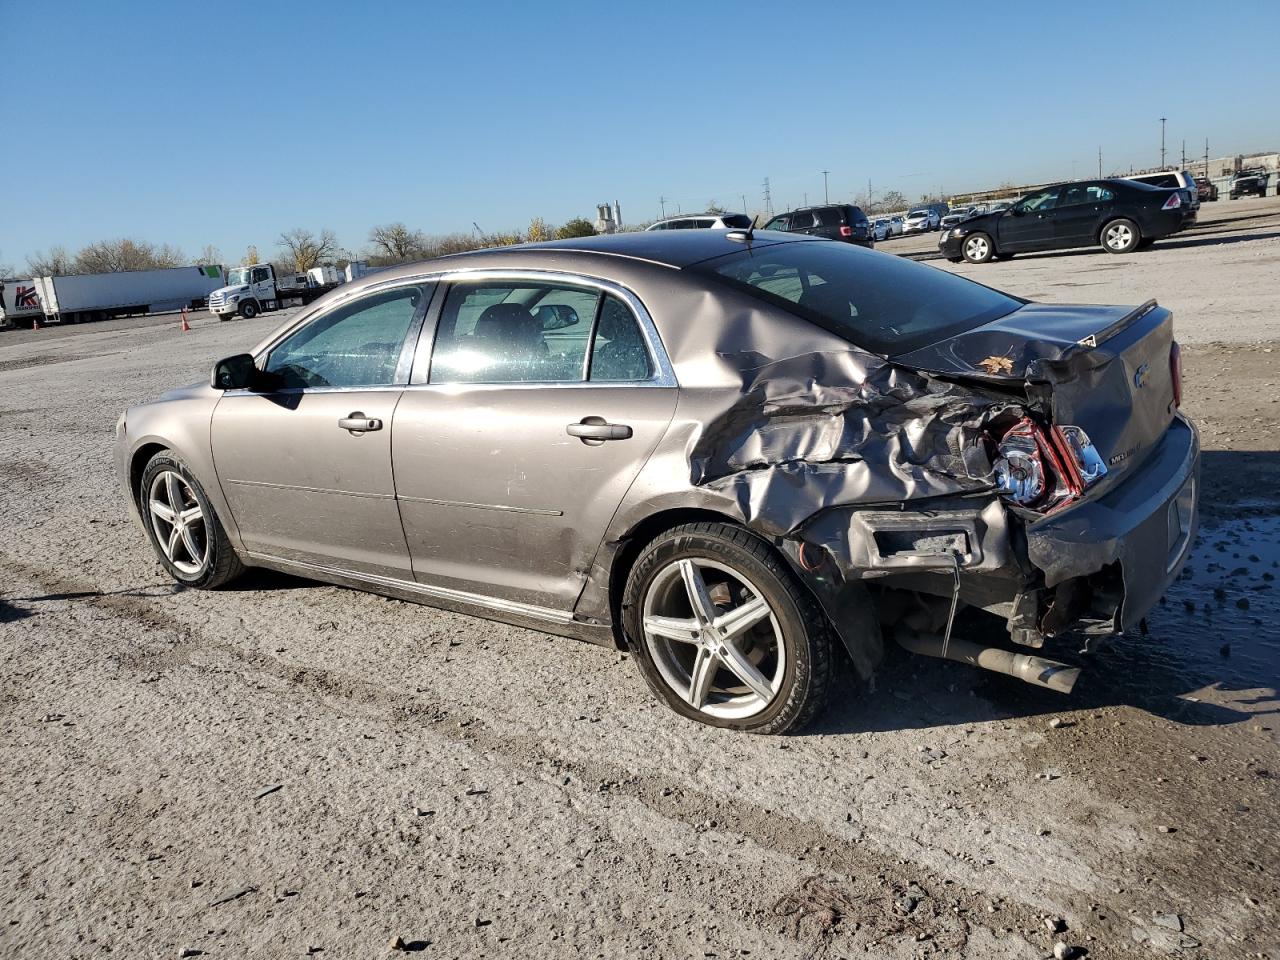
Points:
x=883 y=303
x=236 y=278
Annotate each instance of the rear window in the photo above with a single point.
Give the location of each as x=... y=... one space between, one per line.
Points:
x=830 y=216
x=883 y=303
x=737 y=221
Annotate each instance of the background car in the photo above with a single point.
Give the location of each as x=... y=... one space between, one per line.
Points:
x=1206 y=189
x=921 y=221
x=897 y=225
x=881 y=228
x=1250 y=183
x=703 y=221
x=1120 y=215
x=960 y=215
x=836 y=221
x=1172 y=180
x=648 y=476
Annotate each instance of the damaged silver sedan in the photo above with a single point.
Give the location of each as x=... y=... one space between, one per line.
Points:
x=739 y=455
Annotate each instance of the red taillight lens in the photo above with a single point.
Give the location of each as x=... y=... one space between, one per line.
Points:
x=1175 y=372
x=1174 y=201
x=846 y=231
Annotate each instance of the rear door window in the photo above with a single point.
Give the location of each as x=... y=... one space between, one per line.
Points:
x=830 y=217
x=885 y=304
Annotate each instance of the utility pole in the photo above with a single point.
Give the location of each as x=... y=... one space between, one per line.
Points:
x=662 y=202
x=806 y=199
x=768 y=201
x=1099 y=163
x=1206 y=158
x=744 y=203
x=826 y=197
x=1184 y=155
x=1162 y=120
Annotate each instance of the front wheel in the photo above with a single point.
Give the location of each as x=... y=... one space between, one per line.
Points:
x=187 y=536
x=724 y=634
x=978 y=248
x=249 y=309
x=1121 y=236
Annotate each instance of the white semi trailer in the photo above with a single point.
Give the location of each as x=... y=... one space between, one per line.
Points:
x=100 y=296
x=19 y=303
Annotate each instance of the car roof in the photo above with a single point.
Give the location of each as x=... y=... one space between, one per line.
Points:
x=675 y=249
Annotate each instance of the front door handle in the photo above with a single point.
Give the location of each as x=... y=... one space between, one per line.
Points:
x=594 y=431
x=357 y=423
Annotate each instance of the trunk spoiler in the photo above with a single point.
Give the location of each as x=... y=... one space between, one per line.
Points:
x=1128 y=320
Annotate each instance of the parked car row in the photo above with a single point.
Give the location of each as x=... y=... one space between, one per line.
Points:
x=835 y=221
x=1121 y=215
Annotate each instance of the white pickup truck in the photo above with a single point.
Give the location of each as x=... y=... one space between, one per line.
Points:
x=254 y=289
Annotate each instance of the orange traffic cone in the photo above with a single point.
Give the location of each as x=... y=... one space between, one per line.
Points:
x=186 y=327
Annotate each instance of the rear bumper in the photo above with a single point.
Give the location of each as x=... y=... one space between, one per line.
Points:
x=1145 y=525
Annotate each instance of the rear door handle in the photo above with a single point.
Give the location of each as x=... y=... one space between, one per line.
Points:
x=357 y=423
x=596 y=430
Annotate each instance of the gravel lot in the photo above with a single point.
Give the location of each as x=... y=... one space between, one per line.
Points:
x=286 y=768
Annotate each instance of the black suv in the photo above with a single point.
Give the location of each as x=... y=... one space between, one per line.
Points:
x=1249 y=182
x=835 y=221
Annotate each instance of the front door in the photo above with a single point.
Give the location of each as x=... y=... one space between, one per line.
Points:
x=306 y=463
x=1028 y=224
x=541 y=404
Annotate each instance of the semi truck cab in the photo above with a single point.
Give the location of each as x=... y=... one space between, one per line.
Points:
x=253 y=289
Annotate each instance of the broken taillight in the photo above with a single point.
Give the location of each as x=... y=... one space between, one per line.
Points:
x=1175 y=372
x=1046 y=469
x=1174 y=201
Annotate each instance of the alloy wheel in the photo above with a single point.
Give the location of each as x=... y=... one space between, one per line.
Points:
x=1119 y=236
x=178 y=522
x=714 y=638
x=975 y=248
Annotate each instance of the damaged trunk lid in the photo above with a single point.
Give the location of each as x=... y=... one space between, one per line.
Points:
x=1110 y=370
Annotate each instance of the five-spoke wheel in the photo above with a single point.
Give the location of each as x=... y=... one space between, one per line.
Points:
x=724 y=633
x=178 y=522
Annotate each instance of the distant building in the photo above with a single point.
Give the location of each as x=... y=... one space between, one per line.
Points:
x=607 y=220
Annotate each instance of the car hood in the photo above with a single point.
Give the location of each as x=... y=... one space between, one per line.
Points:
x=981 y=220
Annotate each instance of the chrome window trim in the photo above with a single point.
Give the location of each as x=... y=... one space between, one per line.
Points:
x=664 y=374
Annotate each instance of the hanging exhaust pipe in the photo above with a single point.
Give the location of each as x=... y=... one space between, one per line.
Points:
x=1034 y=670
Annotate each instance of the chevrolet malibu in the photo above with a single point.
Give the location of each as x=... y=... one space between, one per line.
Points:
x=741 y=455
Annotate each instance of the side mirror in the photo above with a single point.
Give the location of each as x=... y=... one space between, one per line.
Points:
x=234 y=373
x=1014 y=211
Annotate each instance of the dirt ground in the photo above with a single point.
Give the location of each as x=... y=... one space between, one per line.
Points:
x=286 y=769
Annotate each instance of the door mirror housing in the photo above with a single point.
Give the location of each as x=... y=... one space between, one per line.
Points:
x=235 y=373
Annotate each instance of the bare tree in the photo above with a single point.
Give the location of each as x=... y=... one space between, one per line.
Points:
x=56 y=263
x=250 y=256
x=538 y=230
x=395 y=243
x=714 y=207
x=307 y=250
x=209 y=255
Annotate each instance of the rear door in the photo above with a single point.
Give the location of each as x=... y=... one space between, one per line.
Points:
x=1081 y=209
x=1029 y=223
x=306 y=465
x=520 y=434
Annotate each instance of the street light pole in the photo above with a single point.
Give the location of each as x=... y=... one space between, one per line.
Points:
x=826 y=197
x=1162 y=120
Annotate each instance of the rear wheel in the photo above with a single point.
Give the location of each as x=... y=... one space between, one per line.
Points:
x=978 y=248
x=187 y=536
x=1121 y=236
x=723 y=632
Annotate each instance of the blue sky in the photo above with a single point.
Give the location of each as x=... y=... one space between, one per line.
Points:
x=175 y=123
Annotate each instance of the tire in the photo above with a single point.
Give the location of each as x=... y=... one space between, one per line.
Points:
x=978 y=248
x=955 y=259
x=248 y=309
x=198 y=554
x=1120 y=236
x=1146 y=242
x=782 y=662
x=1005 y=256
